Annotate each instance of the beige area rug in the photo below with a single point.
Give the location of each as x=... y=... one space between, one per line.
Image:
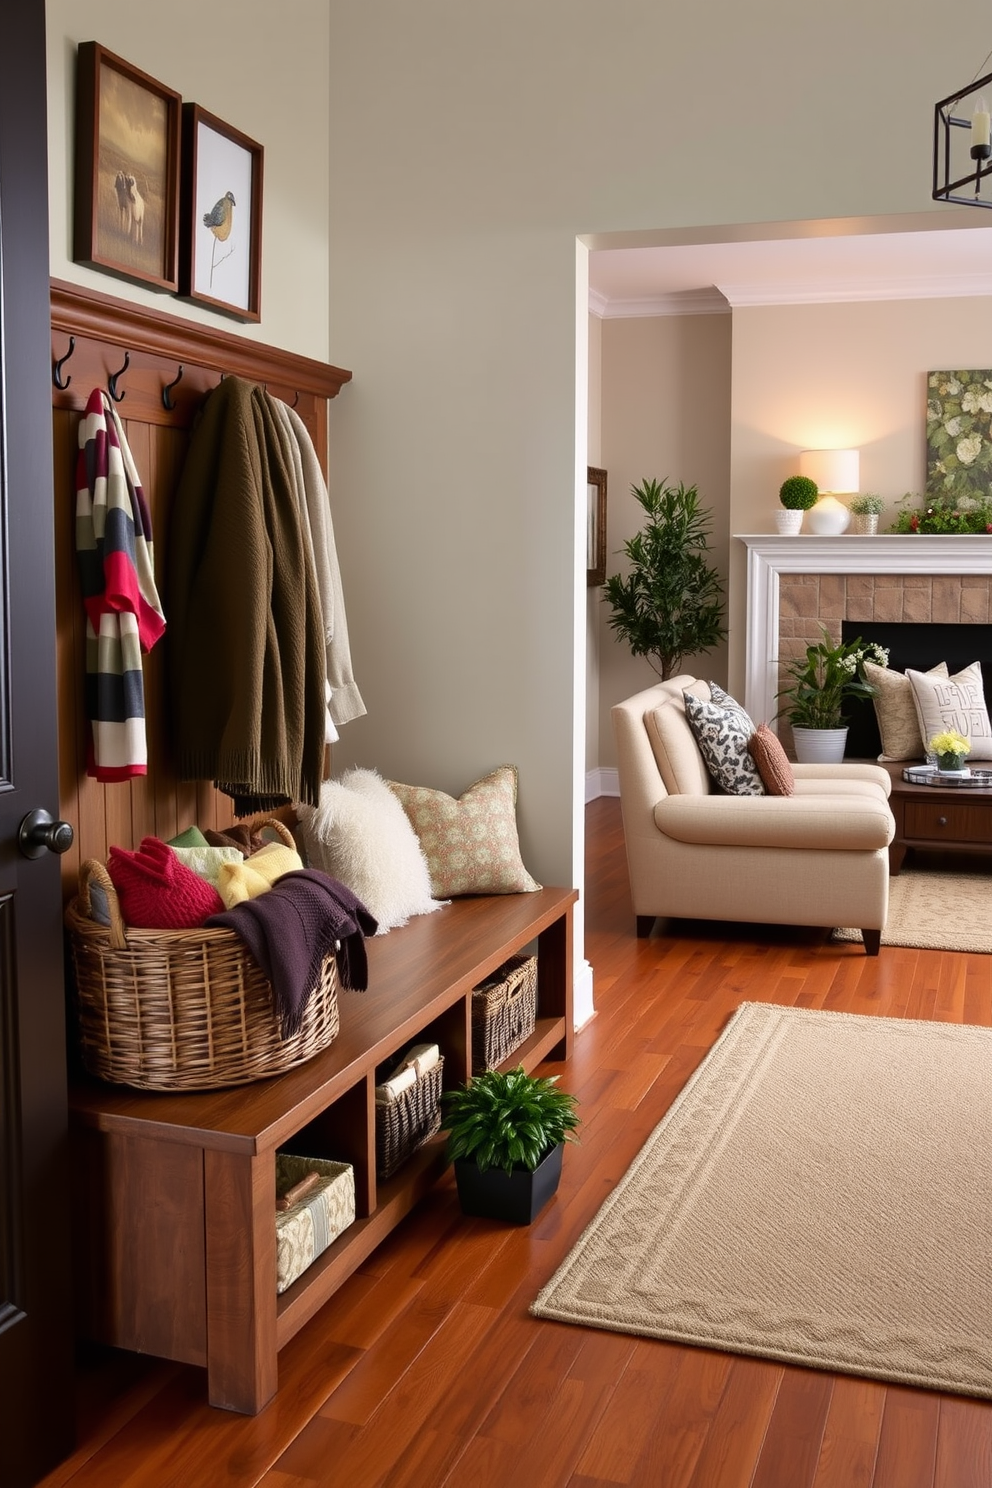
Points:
x=818 y=1193
x=937 y=911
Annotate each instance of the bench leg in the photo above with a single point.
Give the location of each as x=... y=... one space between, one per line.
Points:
x=873 y=941
x=242 y=1368
x=645 y=924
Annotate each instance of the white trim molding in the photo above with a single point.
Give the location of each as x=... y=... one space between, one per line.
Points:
x=769 y=555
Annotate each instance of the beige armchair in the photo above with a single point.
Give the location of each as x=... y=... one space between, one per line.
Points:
x=818 y=857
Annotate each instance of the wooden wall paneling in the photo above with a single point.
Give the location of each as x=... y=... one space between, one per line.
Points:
x=104 y=331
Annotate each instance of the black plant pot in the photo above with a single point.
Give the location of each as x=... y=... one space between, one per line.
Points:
x=515 y=1198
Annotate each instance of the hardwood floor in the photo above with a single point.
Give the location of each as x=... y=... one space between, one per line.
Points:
x=426 y=1368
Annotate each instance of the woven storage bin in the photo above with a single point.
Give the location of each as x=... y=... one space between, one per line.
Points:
x=181 y=1009
x=306 y=1230
x=403 y=1125
x=504 y=1011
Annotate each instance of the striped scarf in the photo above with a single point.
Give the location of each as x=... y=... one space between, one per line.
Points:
x=123 y=612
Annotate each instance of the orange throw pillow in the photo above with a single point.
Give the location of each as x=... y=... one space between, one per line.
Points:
x=772 y=761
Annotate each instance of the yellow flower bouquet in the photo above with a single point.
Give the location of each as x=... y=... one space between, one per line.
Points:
x=951 y=749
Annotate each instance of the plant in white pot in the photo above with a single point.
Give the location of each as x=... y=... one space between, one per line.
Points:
x=506 y=1131
x=866 y=508
x=797 y=494
x=821 y=682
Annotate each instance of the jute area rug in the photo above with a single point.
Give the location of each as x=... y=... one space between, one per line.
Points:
x=937 y=911
x=818 y=1193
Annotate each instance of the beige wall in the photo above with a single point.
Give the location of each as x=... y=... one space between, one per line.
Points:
x=260 y=67
x=666 y=414
x=838 y=375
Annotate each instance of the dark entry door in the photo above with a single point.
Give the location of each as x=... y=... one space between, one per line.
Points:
x=35 y=1316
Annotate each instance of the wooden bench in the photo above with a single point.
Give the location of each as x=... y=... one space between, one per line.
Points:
x=174 y=1195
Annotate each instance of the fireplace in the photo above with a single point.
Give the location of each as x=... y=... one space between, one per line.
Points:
x=796 y=585
x=918 y=645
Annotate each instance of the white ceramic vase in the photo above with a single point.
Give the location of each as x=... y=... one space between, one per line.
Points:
x=820 y=746
x=829 y=517
x=788 y=522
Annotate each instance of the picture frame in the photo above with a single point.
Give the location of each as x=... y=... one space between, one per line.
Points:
x=595 y=526
x=220 y=232
x=126 y=172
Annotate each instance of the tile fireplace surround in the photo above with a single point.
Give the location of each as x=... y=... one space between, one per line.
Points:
x=795 y=584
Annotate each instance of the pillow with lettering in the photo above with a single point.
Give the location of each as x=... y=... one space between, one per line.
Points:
x=956 y=702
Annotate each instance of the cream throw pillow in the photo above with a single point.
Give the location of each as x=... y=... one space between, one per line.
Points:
x=360 y=835
x=956 y=702
x=470 y=843
x=895 y=710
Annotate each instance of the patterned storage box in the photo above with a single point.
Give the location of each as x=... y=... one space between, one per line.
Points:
x=504 y=1011
x=307 y=1229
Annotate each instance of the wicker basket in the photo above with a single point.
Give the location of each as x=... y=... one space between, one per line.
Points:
x=181 y=1009
x=408 y=1122
x=504 y=1011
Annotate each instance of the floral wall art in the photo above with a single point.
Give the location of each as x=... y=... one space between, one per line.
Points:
x=959 y=438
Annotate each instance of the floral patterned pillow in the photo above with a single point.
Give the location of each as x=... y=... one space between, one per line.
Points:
x=471 y=843
x=722 y=729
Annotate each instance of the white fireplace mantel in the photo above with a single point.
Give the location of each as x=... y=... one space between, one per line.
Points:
x=769 y=555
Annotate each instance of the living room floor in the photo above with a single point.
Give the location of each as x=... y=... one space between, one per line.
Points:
x=426 y=1368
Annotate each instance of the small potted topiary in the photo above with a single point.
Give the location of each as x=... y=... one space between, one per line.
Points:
x=506 y=1132
x=866 y=509
x=797 y=494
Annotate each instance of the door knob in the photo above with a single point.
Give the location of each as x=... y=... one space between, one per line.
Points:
x=40 y=832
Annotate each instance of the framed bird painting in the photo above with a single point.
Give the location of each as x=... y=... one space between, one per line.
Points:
x=220 y=224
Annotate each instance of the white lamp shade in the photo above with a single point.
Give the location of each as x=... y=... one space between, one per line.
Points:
x=833 y=470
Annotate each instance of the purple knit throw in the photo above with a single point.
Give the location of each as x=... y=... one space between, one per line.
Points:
x=292 y=927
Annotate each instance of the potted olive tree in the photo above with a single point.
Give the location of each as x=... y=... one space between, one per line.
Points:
x=797 y=494
x=669 y=604
x=506 y=1132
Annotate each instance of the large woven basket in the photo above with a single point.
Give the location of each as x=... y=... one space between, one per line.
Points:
x=181 y=1009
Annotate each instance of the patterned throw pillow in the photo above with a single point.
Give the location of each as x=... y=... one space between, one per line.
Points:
x=895 y=711
x=722 y=729
x=772 y=761
x=956 y=702
x=470 y=843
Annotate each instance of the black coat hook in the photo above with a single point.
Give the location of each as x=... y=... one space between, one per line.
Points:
x=112 y=379
x=57 y=368
x=296 y=398
x=167 y=399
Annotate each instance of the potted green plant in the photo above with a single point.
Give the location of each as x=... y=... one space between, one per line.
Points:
x=866 y=508
x=669 y=605
x=821 y=682
x=506 y=1132
x=797 y=494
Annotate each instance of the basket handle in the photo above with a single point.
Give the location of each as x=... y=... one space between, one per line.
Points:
x=93 y=871
x=263 y=823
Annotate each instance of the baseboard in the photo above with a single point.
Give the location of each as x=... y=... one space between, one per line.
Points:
x=603 y=781
x=582 y=1004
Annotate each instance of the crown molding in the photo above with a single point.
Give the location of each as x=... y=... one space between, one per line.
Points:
x=922 y=287
x=710 y=301
x=719 y=299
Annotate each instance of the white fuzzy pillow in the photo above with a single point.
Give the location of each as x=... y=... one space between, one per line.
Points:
x=360 y=835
